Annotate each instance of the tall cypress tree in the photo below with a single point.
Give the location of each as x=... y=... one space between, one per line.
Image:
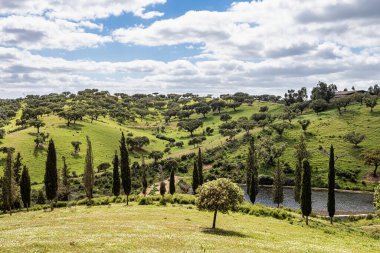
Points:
x=116 y=176
x=301 y=154
x=65 y=180
x=200 y=166
x=17 y=167
x=195 y=183
x=25 y=188
x=51 y=174
x=124 y=168
x=9 y=184
x=88 y=176
x=144 y=180
x=306 y=190
x=172 y=183
x=253 y=173
x=331 y=192
x=278 y=189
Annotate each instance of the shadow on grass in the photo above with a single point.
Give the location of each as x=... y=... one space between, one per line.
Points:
x=223 y=232
x=72 y=126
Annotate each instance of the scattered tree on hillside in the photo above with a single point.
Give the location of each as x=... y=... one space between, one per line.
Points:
x=2 y=133
x=354 y=138
x=202 y=108
x=76 y=145
x=220 y=195
x=331 y=186
x=225 y=117
x=51 y=175
x=323 y=91
x=36 y=123
x=319 y=105
x=156 y=156
x=190 y=125
x=245 y=124
x=278 y=189
x=124 y=168
x=280 y=128
x=162 y=188
x=371 y=101
x=17 y=167
x=116 y=176
x=341 y=102
x=372 y=157
x=25 y=187
x=306 y=190
x=304 y=123
x=195 y=182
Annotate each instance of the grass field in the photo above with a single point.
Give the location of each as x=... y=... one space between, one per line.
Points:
x=135 y=228
x=327 y=128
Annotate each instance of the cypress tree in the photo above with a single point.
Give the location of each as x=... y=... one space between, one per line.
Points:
x=200 y=166
x=88 y=176
x=301 y=154
x=278 y=190
x=17 y=167
x=9 y=185
x=144 y=181
x=116 y=176
x=51 y=174
x=172 y=183
x=25 y=188
x=331 y=192
x=253 y=173
x=65 y=181
x=306 y=190
x=124 y=168
x=195 y=178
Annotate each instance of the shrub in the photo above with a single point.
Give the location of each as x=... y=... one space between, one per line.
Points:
x=146 y=201
x=265 y=180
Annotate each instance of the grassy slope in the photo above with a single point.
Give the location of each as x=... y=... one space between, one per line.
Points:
x=326 y=129
x=118 y=228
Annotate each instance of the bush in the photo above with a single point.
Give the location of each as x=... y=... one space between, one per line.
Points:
x=259 y=210
x=146 y=201
x=162 y=137
x=265 y=180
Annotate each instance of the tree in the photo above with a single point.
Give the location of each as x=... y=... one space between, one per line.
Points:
x=195 y=183
x=156 y=155
x=2 y=133
x=144 y=181
x=65 y=191
x=371 y=101
x=323 y=91
x=341 y=102
x=88 y=175
x=301 y=153
x=252 y=173
x=200 y=166
x=217 y=105
x=372 y=157
x=354 y=138
x=190 y=125
x=245 y=124
x=25 y=187
x=305 y=123
x=17 y=167
x=51 y=174
x=162 y=188
x=36 y=123
x=306 y=190
x=277 y=189
x=331 y=186
x=225 y=117
x=116 y=176
x=220 y=195
x=203 y=109
x=319 y=105
x=172 y=183
x=76 y=145
x=124 y=168
x=280 y=128
x=9 y=184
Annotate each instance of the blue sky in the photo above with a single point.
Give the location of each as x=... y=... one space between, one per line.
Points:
x=200 y=46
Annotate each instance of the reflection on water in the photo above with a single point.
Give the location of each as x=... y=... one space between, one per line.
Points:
x=345 y=201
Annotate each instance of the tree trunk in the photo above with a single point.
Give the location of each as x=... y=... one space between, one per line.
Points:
x=331 y=220
x=214 y=221
x=127 y=199
x=51 y=205
x=307 y=220
x=278 y=205
x=375 y=171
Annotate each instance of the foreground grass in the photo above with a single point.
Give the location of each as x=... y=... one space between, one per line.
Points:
x=118 y=228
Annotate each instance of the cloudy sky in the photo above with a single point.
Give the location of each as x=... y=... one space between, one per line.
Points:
x=200 y=46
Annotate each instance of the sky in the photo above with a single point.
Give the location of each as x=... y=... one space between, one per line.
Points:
x=199 y=46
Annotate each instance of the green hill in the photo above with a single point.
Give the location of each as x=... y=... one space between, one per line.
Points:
x=327 y=128
x=118 y=228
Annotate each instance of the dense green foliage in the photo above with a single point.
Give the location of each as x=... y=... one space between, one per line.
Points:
x=331 y=191
x=306 y=190
x=51 y=173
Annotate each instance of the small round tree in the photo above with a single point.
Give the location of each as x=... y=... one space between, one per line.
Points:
x=220 y=195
